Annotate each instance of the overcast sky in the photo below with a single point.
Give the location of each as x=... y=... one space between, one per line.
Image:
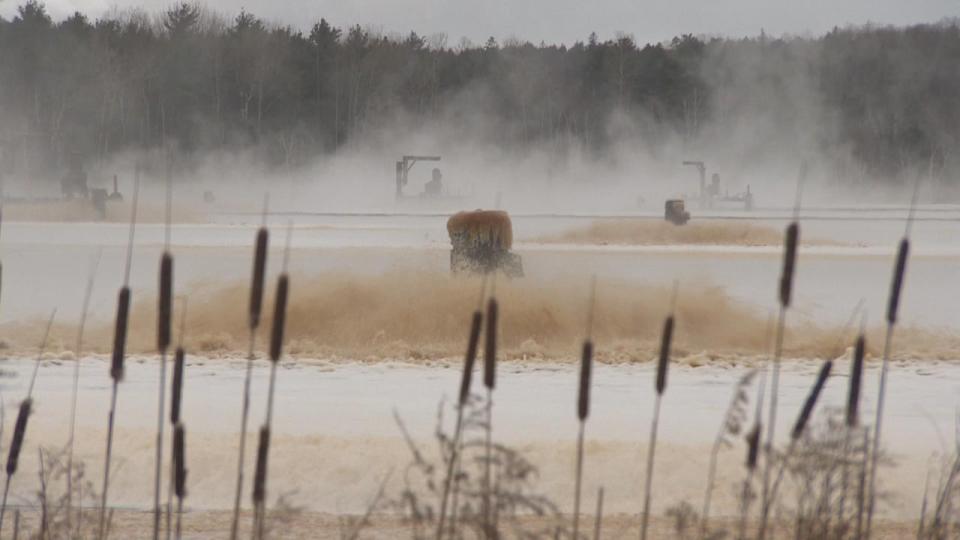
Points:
x=560 y=20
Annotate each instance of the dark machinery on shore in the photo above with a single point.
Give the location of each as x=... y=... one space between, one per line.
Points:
x=710 y=193
x=675 y=212
x=480 y=243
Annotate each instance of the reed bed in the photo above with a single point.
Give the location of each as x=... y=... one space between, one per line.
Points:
x=477 y=497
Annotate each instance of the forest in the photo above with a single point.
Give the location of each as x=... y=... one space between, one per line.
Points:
x=877 y=102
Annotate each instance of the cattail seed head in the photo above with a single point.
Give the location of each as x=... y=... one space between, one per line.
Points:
x=856 y=376
x=120 y=334
x=471 y=356
x=279 y=318
x=260 y=474
x=259 y=271
x=179 y=462
x=664 y=362
x=165 y=305
x=19 y=432
x=897 y=285
x=490 y=347
x=811 y=401
x=753 y=446
x=583 y=396
x=177 y=394
x=789 y=262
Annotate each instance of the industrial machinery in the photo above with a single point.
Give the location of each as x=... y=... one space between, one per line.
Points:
x=710 y=194
x=480 y=243
x=431 y=189
x=675 y=212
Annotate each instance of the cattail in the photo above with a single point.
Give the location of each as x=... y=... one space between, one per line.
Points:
x=583 y=410
x=586 y=363
x=811 y=400
x=279 y=318
x=165 y=306
x=661 y=385
x=490 y=347
x=789 y=263
x=856 y=375
x=256 y=303
x=753 y=446
x=897 y=285
x=19 y=432
x=177 y=394
x=179 y=461
x=471 y=356
x=664 y=362
x=120 y=334
x=260 y=474
x=259 y=271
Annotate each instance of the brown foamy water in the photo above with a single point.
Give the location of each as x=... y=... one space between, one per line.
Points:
x=422 y=316
x=643 y=232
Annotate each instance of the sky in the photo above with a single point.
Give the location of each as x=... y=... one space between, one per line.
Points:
x=558 y=21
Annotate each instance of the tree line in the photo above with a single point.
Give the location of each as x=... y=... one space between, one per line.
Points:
x=885 y=101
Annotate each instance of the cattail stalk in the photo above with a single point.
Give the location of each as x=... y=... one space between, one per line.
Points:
x=276 y=351
x=852 y=419
x=256 y=305
x=119 y=353
x=583 y=411
x=468 y=361
x=661 y=386
x=791 y=242
x=489 y=381
x=164 y=316
x=180 y=471
x=753 y=452
x=20 y=428
x=583 y=402
x=176 y=398
x=798 y=428
x=598 y=518
x=75 y=390
x=13 y=456
x=893 y=305
x=163 y=343
x=260 y=480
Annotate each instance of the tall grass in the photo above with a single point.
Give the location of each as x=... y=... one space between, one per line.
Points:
x=255 y=308
x=78 y=351
x=798 y=428
x=118 y=356
x=733 y=421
